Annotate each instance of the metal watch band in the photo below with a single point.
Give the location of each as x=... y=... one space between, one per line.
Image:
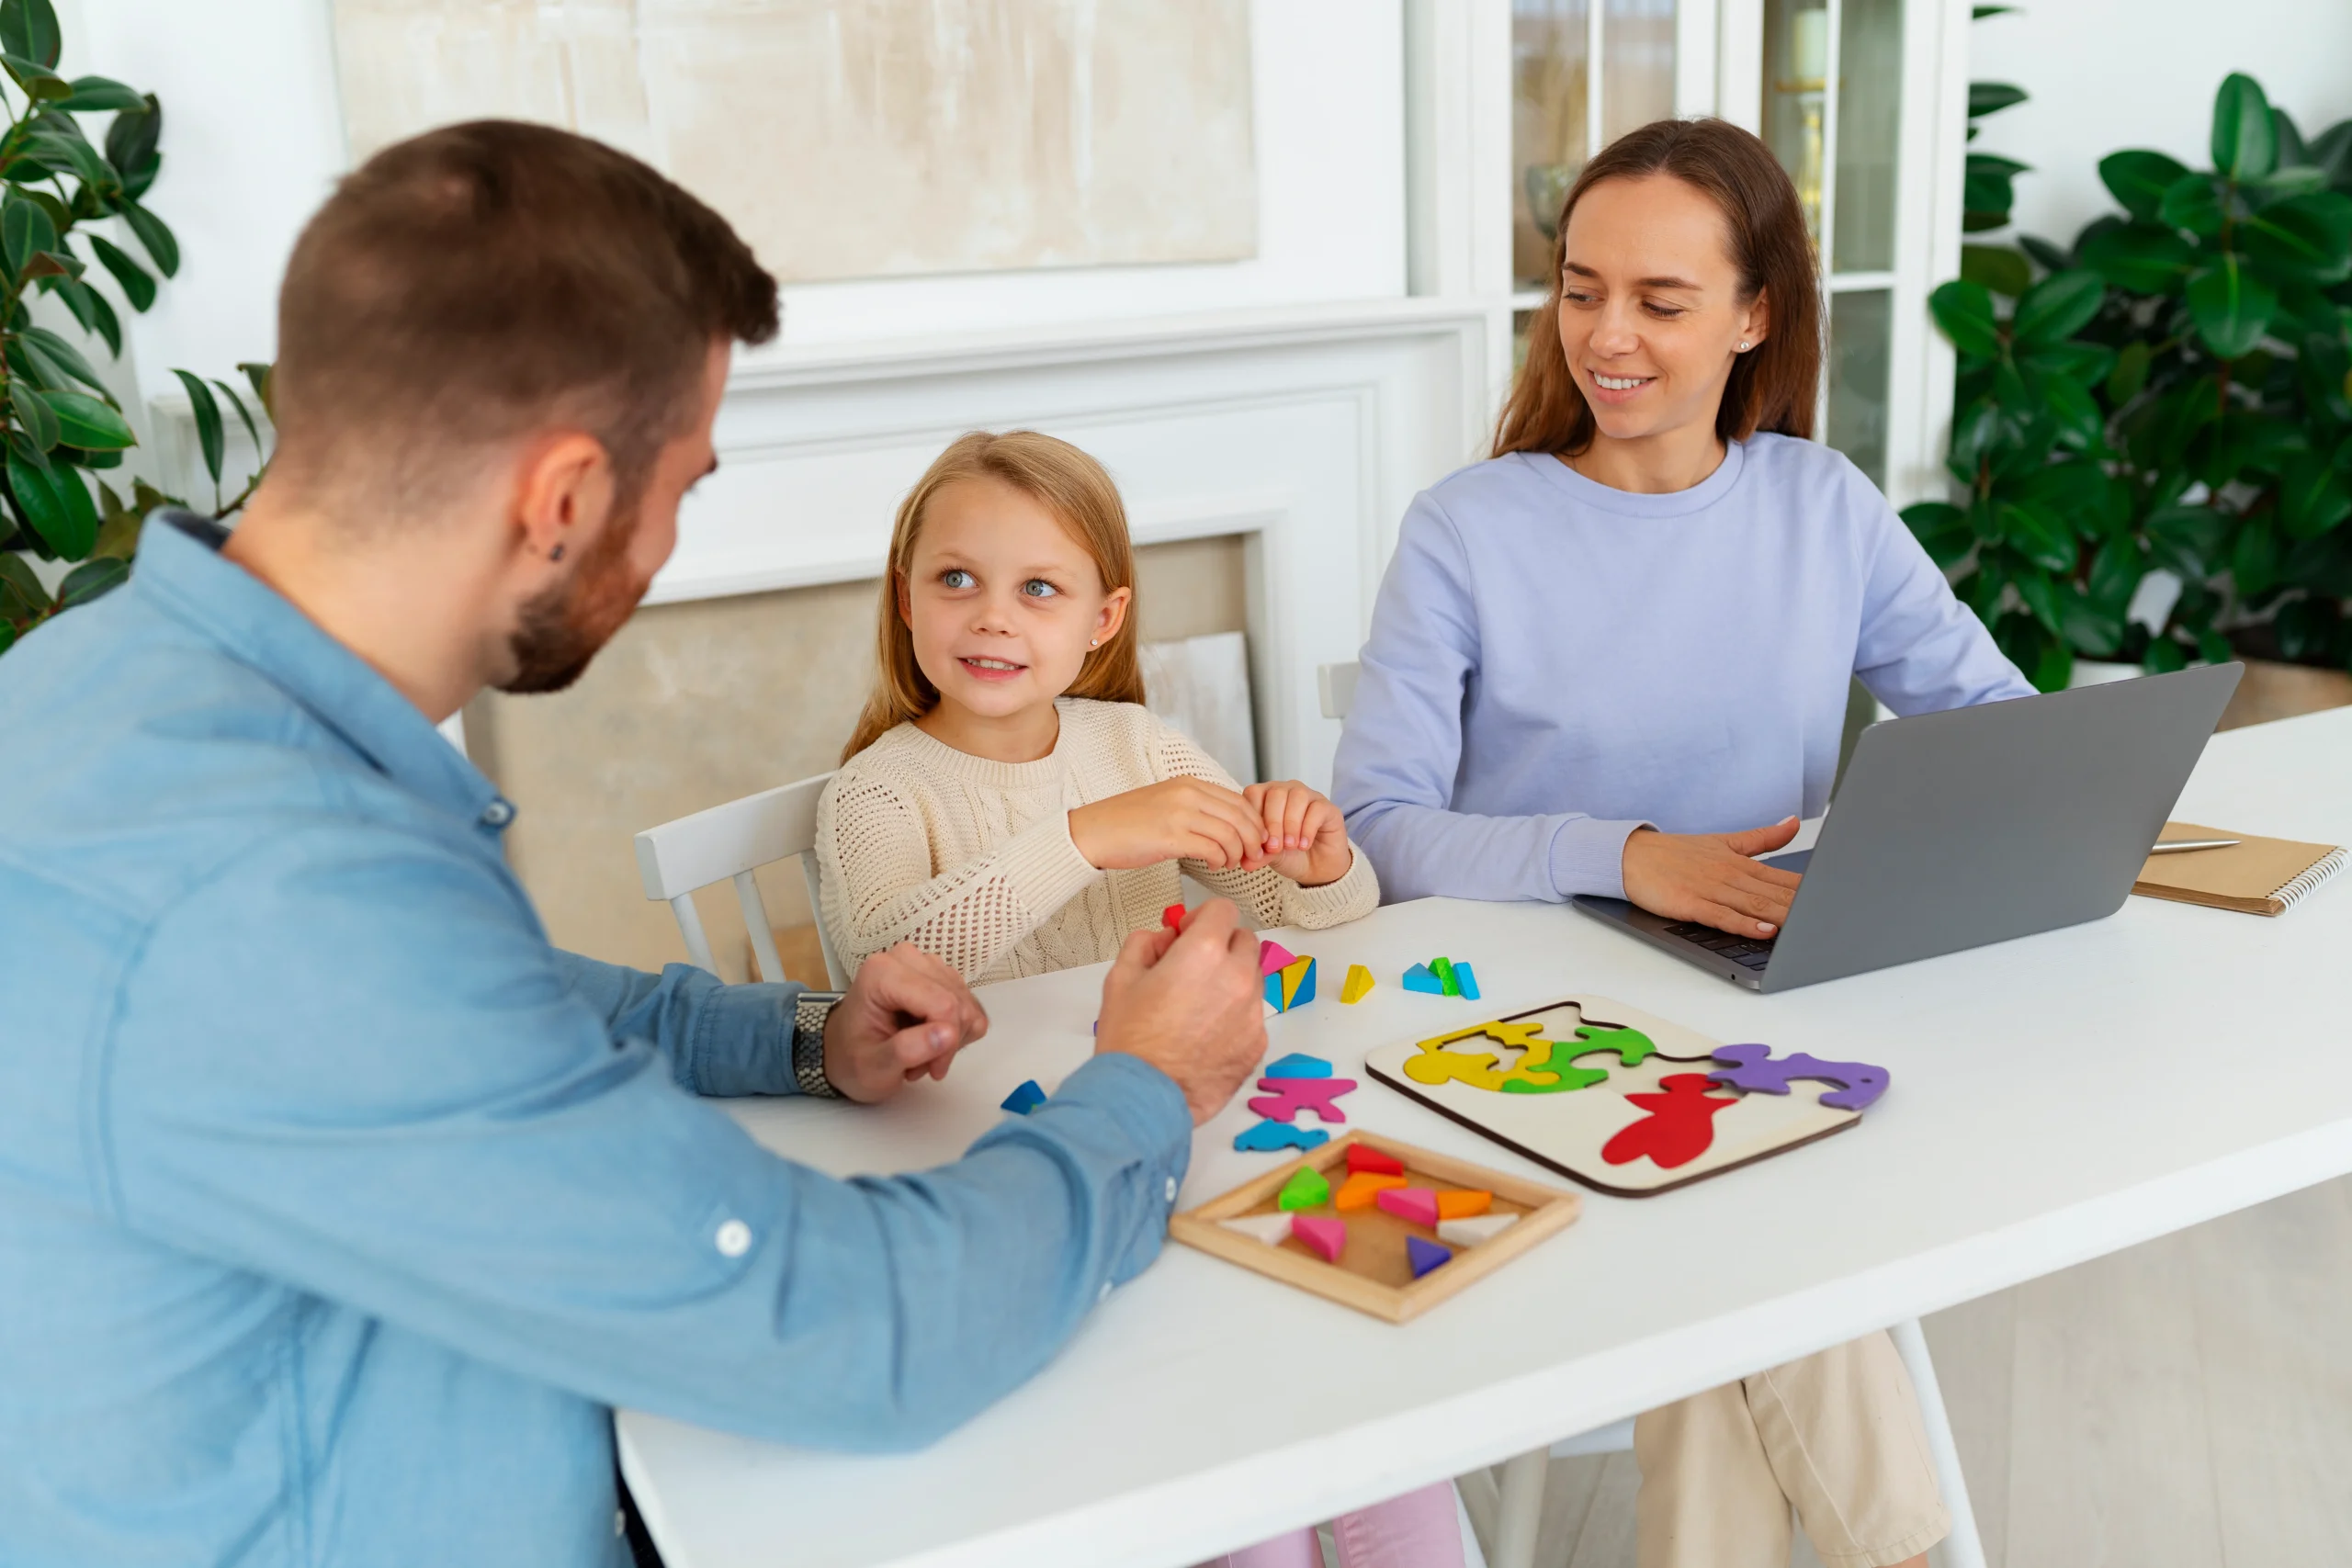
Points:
x=808 y=1014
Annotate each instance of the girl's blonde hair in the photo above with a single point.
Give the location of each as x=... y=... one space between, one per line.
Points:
x=1080 y=494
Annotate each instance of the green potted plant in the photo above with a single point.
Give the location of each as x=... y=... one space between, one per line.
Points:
x=61 y=425
x=2152 y=435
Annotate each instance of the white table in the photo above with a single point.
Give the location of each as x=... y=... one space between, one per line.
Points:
x=2053 y=1098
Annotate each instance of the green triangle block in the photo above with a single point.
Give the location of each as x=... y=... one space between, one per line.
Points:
x=1443 y=969
x=1304 y=1190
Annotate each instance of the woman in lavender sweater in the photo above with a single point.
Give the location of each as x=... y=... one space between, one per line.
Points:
x=1613 y=659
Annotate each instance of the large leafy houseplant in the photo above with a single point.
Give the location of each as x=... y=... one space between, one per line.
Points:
x=2170 y=396
x=59 y=423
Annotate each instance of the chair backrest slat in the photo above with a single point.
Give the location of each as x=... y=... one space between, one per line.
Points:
x=727 y=843
x=1336 y=685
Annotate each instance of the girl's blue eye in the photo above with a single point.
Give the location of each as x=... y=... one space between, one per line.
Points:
x=955 y=576
x=1038 y=588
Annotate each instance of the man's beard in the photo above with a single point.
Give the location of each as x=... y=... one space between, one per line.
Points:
x=561 y=629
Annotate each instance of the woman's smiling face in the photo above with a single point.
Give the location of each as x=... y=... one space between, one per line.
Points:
x=1651 y=316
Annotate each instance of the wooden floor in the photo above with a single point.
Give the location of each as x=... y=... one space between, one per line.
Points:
x=2183 y=1404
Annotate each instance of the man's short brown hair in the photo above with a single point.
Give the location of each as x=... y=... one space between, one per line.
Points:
x=481 y=281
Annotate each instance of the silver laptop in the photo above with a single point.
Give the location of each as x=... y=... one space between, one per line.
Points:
x=1953 y=829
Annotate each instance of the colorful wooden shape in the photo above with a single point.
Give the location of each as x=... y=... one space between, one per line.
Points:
x=1463 y=1204
x=1470 y=1232
x=1439 y=1062
x=1299 y=1065
x=1467 y=981
x=1360 y=1189
x=1267 y=1136
x=1680 y=1126
x=1285 y=1098
x=1025 y=1099
x=1268 y=1228
x=1418 y=1204
x=1273 y=957
x=1545 y=1070
x=1327 y=1238
x=1298 y=983
x=1304 y=1190
x=1424 y=1256
x=1359 y=981
x=1418 y=978
x=1442 y=968
x=1755 y=1068
x=1172 y=916
x=1364 y=1156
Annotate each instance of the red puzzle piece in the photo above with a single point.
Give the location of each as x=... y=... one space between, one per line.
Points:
x=1285 y=1098
x=1680 y=1126
x=1364 y=1156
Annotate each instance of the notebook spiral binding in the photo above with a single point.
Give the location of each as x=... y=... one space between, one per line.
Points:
x=2328 y=865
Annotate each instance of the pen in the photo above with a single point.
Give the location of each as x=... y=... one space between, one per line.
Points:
x=2180 y=846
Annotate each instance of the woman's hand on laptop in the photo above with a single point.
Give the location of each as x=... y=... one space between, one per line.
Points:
x=1712 y=879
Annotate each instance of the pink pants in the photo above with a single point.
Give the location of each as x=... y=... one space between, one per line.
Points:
x=1417 y=1530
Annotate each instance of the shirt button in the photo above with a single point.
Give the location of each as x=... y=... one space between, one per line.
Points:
x=1172 y=1189
x=734 y=1239
x=497 y=814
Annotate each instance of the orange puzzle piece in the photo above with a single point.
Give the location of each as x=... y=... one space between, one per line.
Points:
x=1358 y=1191
x=1462 y=1205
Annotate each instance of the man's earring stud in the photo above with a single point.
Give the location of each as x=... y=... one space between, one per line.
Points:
x=556 y=554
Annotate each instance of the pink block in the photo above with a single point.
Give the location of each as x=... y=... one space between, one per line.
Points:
x=1418 y=1204
x=1285 y=1098
x=1273 y=957
x=1323 y=1237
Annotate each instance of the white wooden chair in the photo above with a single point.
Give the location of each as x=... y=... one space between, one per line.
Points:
x=728 y=842
x=1508 y=1514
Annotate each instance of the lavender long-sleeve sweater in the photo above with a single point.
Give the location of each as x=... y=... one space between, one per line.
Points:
x=1554 y=663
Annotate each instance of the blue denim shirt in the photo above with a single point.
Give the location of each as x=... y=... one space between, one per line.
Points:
x=337 y=1207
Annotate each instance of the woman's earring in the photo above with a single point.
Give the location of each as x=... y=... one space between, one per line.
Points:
x=1743 y=345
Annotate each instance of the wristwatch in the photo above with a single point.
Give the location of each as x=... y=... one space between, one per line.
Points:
x=809 y=1015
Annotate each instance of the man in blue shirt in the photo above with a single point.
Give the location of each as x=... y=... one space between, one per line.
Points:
x=336 y=1207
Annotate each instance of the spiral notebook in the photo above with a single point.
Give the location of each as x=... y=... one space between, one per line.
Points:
x=2255 y=876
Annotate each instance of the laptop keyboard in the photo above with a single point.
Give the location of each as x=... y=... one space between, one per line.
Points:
x=1745 y=951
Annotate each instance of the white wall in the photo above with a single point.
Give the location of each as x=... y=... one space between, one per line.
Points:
x=253 y=140
x=2107 y=74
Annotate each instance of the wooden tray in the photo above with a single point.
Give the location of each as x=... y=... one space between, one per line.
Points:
x=1372 y=1275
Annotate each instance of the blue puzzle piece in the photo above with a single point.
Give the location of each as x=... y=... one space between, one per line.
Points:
x=1466 y=980
x=1418 y=978
x=1025 y=1099
x=1425 y=1256
x=1299 y=1065
x=1267 y=1136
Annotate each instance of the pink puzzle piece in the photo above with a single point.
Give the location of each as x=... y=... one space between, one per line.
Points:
x=1418 y=1204
x=1274 y=958
x=1326 y=1238
x=1285 y=1098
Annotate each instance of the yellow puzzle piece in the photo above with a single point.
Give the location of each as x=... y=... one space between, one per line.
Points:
x=1359 y=981
x=1438 y=1065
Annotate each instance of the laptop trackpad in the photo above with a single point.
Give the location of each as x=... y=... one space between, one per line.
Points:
x=1794 y=860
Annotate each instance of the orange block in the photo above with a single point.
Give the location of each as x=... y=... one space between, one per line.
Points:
x=1462 y=1205
x=1358 y=1191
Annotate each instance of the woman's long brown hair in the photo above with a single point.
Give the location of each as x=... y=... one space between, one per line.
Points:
x=1772 y=386
x=1066 y=482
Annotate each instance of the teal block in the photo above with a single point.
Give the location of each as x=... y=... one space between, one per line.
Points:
x=1418 y=978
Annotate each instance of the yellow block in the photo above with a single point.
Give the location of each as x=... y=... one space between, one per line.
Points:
x=1294 y=974
x=1359 y=981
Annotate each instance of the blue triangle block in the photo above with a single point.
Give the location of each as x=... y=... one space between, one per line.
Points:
x=1025 y=1099
x=1299 y=1065
x=1418 y=978
x=1425 y=1256
x=1267 y=1136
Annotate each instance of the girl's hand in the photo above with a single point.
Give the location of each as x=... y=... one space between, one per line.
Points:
x=1302 y=834
x=1710 y=878
x=1178 y=820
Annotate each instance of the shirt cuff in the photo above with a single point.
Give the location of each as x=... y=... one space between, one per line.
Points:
x=749 y=1028
x=1588 y=856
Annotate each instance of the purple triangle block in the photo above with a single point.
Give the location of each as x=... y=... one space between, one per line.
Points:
x=1425 y=1256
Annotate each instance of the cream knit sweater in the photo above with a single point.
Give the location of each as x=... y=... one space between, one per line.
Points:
x=972 y=861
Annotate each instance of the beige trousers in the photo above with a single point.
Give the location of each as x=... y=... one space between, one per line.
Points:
x=1839 y=1435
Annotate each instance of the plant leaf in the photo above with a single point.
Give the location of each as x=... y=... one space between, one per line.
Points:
x=47 y=510
x=2039 y=537
x=26 y=230
x=2057 y=307
x=161 y=246
x=2192 y=202
x=2254 y=557
x=209 y=433
x=2049 y=257
x=97 y=94
x=66 y=357
x=33 y=415
x=91 y=579
x=1992 y=98
x=86 y=422
x=2185 y=539
x=2230 y=306
x=243 y=414
x=132 y=142
x=28 y=28
x=2140 y=258
x=2308 y=235
x=17 y=578
x=257 y=372
x=1965 y=311
x=2139 y=179
x=2312 y=496
x=2085 y=362
x=90 y=308
x=2246 y=141
x=1997 y=267
x=137 y=283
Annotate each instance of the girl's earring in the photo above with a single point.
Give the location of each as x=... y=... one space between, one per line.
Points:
x=1094 y=642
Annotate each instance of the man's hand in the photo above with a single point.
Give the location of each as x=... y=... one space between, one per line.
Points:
x=1191 y=1004
x=905 y=1015
x=1710 y=878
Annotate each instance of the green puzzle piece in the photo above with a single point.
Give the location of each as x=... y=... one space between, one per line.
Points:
x=1631 y=1046
x=1304 y=1190
x=1443 y=969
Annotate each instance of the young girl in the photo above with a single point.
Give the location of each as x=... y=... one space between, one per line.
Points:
x=1010 y=806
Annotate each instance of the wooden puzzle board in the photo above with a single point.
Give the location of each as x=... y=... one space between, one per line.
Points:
x=1566 y=1130
x=1372 y=1274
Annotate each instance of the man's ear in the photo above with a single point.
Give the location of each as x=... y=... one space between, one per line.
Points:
x=563 y=494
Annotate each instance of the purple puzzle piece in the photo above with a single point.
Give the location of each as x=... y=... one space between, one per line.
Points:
x=1285 y=1098
x=1756 y=1070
